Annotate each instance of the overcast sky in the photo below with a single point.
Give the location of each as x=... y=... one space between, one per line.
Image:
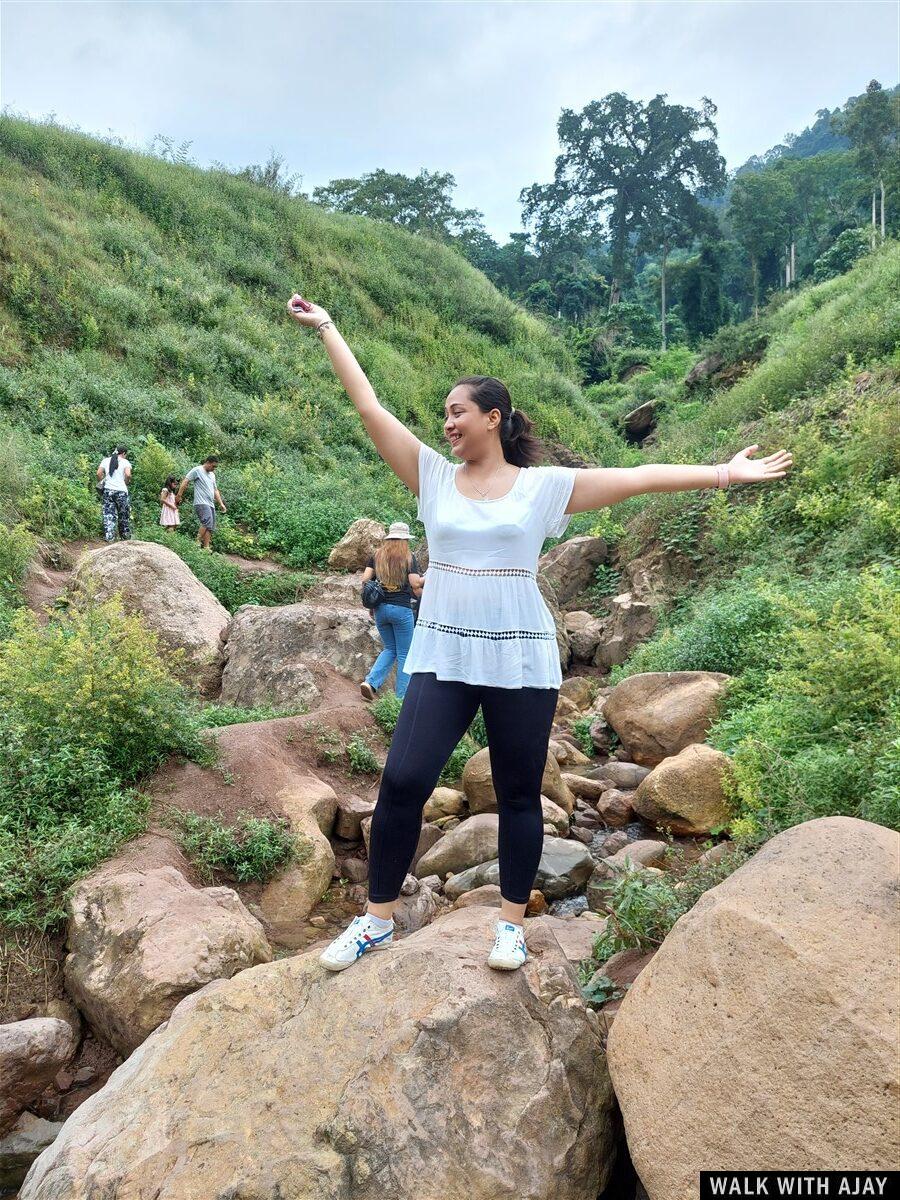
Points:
x=475 y=88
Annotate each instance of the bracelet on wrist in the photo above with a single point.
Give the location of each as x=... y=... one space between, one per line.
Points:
x=722 y=475
x=324 y=325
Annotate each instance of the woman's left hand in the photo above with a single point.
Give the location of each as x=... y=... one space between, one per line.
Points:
x=763 y=470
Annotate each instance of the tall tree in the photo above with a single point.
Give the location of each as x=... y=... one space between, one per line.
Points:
x=677 y=219
x=871 y=123
x=702 y=305
x=761 y=203
x=621 y=158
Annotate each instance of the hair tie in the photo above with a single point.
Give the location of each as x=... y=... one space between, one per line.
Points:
x=512 y=410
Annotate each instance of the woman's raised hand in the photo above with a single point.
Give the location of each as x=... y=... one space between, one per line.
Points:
x=773 y=466
x=311 y=317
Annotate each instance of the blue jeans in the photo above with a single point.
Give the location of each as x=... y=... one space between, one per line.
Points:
x=395 y=624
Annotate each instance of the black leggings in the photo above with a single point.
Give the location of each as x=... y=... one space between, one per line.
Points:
x=434 y=716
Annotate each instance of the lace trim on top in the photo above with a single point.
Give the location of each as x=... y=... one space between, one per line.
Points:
x=497 y=635
x=442 y=566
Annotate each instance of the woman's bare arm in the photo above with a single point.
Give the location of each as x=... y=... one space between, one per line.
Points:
x=397 y=445
x=598 y=487
x=417 y=583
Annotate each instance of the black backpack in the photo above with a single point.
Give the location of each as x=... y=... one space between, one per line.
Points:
x=373 y=593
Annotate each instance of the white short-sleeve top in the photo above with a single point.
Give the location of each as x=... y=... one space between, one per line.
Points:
x=482 y=618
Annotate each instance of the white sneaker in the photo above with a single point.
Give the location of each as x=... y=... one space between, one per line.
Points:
x=509 y=947
x=360 y=936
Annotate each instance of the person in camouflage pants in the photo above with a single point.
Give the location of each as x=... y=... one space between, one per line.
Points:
x=116 y=514
x=114 y=475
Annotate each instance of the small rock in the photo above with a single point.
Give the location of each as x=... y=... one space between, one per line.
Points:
x=716 y=853
x=444 y=802
x=350 y=812
x=32 y=1052
x=614 y=842
x=20 y=1147
x=356 y=870
x=614 y=807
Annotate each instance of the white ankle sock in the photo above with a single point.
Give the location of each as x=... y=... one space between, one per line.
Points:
x=380 y=921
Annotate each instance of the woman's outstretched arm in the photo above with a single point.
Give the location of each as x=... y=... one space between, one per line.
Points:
x=397 y=445
x=598 y=487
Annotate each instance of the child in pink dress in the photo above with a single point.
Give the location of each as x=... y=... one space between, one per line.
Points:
x=169 y=516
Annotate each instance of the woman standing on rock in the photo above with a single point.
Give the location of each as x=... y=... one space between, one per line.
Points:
x=484 y=635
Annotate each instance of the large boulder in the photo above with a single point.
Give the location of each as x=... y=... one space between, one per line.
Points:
x=764 y=1033
x=272 y=1084
x=569 y=567
x=360 y=541
x=473 y=841
x=271 y=651
x=291 y=896
x=629 y=623
x=585 y=634
x=31 y=1053
x=310 y=806
x=478 y=784
x=140 y=942
x=684 y=793
x=658 y=713
x=158 y=585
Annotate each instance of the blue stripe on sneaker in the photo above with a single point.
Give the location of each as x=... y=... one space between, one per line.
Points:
x=371 y=942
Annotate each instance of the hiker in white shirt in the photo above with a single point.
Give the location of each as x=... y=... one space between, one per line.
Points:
x=114 y=474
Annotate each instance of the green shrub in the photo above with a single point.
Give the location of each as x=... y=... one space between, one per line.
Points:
x=252 y=850
x=386 y=709
x=643 y=908
x=582 y=730
x=98 y=679
x=61 y=813
x=214 y=715
x=809 y=737
x=361 y=757
x=735 y=628
x=17 y=548
x=87 y=707
x=62 y=510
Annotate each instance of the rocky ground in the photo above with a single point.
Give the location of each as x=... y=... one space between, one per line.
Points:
x=185 y=1026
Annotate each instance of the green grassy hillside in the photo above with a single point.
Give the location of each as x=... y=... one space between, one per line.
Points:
x=145 y=300
x=795 y=586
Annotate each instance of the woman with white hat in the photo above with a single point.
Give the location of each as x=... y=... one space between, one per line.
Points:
x=397 y=570
x=484 y=636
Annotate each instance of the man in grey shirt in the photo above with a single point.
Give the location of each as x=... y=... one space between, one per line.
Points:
x=206 y=497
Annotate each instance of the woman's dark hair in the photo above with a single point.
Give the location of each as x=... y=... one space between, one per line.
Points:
x=171 y=483
x=114 y=459
x=520 y=445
